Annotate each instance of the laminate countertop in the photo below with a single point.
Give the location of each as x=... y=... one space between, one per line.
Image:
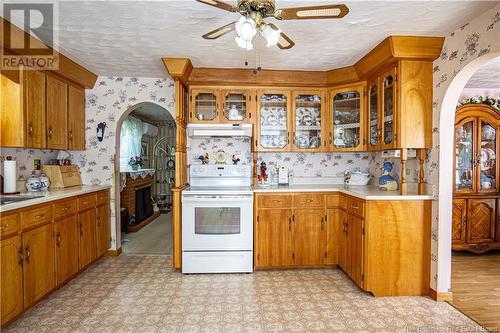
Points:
x=52 y=195
x=368 y=192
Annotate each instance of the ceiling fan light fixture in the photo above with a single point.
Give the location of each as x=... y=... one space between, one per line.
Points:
x=271 y=35
x=244 y=44
x=246 y=28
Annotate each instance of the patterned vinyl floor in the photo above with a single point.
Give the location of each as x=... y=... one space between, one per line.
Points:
x=143 y=294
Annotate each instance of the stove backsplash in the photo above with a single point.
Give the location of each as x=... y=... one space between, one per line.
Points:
x=240 y=147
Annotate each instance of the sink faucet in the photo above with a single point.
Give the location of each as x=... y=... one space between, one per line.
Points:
x=347 y=177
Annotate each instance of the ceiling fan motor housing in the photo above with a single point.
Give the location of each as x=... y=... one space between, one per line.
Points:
x=264 y=7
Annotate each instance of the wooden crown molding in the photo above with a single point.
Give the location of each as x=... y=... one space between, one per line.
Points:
x=390 y=50
x=178 y=68
x=68 y=69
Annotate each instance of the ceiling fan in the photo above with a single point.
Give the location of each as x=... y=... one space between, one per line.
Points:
x=253 y=13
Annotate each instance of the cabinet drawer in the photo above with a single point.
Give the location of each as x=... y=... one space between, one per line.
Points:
x=102 y=198
x=64 y=208
x=9 y=224
x=36 y=216
x=336 y=200
x=356 y=207
x=275 y=201
x=309 y=200
x=86 y=202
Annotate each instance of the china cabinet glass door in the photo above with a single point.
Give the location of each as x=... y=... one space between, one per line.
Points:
x=373 y=115
x=464 y=156
x=347 y=119
x=273 y=129
x=486 y=157
x=205 y=106
x=235 y=107
x=389 y=93
x=308 y=122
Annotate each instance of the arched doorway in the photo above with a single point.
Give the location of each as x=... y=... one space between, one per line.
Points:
x=142 y=197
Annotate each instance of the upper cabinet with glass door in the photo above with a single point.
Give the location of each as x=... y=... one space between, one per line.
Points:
x=347 y=113
x=205 y=105
x=388 y=110
x=273 y=133
x=308 y=121
x=374 y=128
x=487 y=156
x=465 y=167
x=237 y=106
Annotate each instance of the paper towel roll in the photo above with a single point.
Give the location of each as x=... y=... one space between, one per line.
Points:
x=9 y=176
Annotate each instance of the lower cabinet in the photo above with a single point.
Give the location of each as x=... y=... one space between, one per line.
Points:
x=309 y=237
x=87 y=230
x=475 y=224
x=12 y=276
x=353 y=246
x=39 y=263
x=103 y=232
x=273 y=246
x=67 y=240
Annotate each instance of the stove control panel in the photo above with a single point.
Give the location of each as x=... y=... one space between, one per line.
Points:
x=216 y=171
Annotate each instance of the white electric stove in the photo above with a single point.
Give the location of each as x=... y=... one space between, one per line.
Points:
x=217 y=220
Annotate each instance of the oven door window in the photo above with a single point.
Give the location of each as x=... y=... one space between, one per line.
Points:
x=217 y=220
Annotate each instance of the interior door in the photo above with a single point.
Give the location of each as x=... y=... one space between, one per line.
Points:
x=374 y=128
x=459 y=221
x=66 y=231
x=103 y=230
x=308 y=235
x=334 y=236
x=34 y=102
x=273 y=123
x=11 y=278
x=388 y=122
x=465 y=152
x=481 y=218
x=39 y=263
x=87 y=238
x=76 y=118
x=273 y=239
x=57 y=113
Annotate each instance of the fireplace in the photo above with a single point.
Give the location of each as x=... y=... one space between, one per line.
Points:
x=143 y=204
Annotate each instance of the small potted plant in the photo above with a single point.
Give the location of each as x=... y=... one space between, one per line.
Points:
x=135 y=162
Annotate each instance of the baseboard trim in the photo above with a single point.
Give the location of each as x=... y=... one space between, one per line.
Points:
x=113 y=253
x=441 y=297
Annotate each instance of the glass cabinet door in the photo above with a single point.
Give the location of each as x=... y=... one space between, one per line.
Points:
x=307 y=121
x=464 y=157
x=235 y=107
x=389 y=92
x=273 y=121
x=204 y=106
x=486 y=157
x=347 y=119
x=373 y=111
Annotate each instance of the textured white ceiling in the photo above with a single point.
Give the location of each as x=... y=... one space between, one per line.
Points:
x=129 y=38
x=487 y=76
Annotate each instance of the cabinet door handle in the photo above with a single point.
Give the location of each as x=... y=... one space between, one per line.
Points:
x=50 y=131
x=20 y=255
x=98 y=221
x=322 y=223
x=27 y=251
x=58 y=239
x=71 y=135
x=289 y=224
x=331 y=138
x=81 y=229
x=30 y=129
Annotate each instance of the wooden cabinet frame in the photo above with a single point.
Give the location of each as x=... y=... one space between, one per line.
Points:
x=218 y=105
x=324 y=140
x=369 y=146
x=251 y=101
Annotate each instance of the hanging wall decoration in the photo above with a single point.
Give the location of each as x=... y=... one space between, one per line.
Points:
x=100 y=131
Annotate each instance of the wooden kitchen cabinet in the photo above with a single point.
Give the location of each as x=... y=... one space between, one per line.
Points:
x=346 y=118
x=309 y=121
x=481 y=217
x=66 y=234
x=34 y=88
x=39 y=263
x=273 y=123
x=354 y=249
x=76 y=118
x=459 y=221
x=205 y=105
x=11 y=278
x=238 y=106
x=373 y=114
x=309 y=237
x=57 y=113
x=87 y=238
x=103 y=229
x=335 y=219
x=273 y=241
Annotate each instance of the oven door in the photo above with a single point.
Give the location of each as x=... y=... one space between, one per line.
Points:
x=217 y=222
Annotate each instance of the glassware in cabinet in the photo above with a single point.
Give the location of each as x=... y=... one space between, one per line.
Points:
x=236 y=106
x=308 y=121
x=389 y=104
x=347 y=109
x=273 y=121
x=486 y=157
x=373 y=115
x=205 y=106
x=464 y=156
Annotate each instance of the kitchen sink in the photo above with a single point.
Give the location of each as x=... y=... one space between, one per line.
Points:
x=8 y=199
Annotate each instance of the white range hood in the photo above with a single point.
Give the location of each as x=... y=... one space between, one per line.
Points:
x=219 y=130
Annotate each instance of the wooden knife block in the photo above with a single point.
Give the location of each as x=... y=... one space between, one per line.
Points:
x=63 y=176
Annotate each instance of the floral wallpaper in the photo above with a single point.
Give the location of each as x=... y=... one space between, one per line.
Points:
x=107 y=102
x=469 y=42
x=232 y=146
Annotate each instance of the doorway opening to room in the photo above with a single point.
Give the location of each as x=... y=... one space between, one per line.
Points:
x=147 y=175
x=475 y=259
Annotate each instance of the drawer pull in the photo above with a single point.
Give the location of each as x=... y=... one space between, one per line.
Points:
x=39 y=216
x=276 y=201
x=309 y=200
x=66 y=208
x=4 y=227
x=85 y=203
x=27 y=251
x=354 y=206
x=101 y=198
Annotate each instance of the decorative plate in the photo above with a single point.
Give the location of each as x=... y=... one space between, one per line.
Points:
x=170 y=164
x=220 y=157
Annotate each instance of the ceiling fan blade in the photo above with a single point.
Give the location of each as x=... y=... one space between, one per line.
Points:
x=314 y=12
x=220 y=4
x=219 y=32
x=284 y=42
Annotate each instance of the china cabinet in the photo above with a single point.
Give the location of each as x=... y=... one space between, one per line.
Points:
x=308 y=121
x=273 y=121
x=476 y=179
x=346 y=120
